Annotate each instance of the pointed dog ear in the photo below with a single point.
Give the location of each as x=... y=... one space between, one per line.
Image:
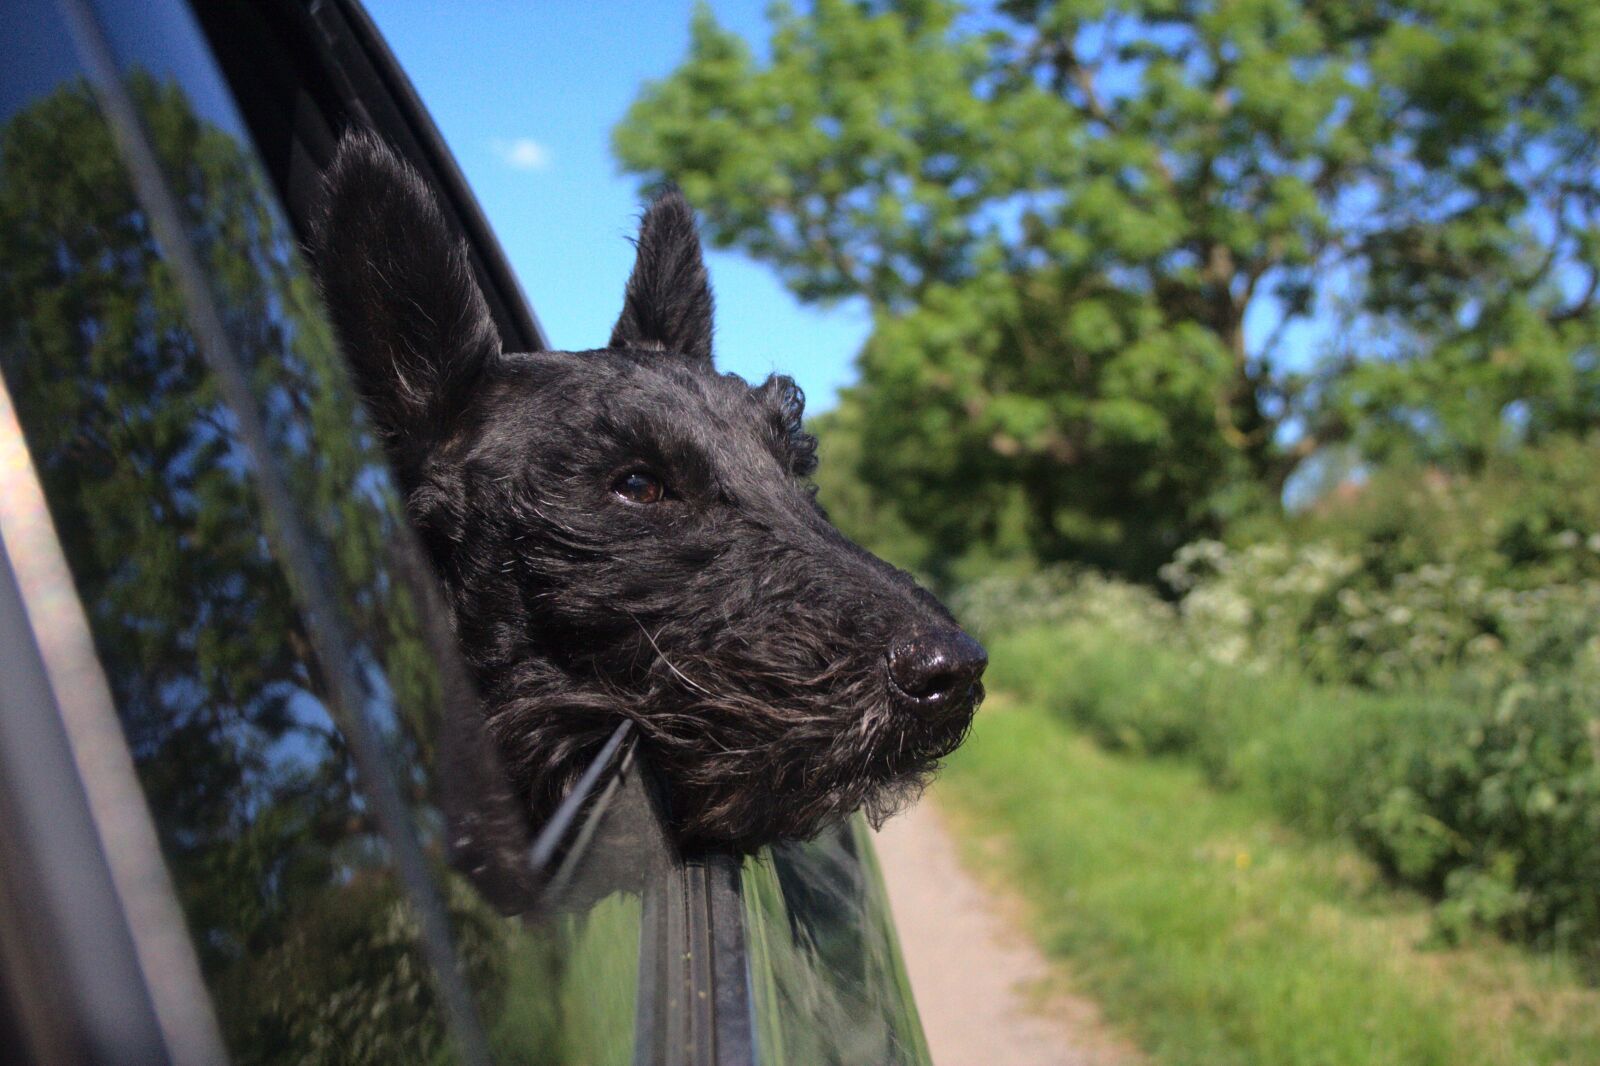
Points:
x=668 y=301
x=398 y=282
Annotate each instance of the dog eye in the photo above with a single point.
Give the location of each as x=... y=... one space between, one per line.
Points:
x=640 y=487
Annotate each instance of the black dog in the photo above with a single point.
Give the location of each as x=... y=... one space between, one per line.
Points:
x=626 y=533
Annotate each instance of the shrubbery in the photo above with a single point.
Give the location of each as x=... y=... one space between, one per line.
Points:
x=1492 y=805
x=1420 y=672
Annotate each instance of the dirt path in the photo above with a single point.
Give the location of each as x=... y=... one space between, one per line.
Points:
x=981 y=986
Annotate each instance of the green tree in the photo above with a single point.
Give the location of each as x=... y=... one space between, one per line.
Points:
x=1096 y=237
x=857 y=510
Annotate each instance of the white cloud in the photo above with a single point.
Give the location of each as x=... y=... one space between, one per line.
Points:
x=523 y=153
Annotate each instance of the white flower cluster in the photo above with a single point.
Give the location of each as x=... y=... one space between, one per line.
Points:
x=1056 y=596
x=1320 y=608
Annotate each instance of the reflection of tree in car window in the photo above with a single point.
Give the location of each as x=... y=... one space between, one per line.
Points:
x=299 y=926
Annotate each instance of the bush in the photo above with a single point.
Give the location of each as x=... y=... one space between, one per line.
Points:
x=1492 y=806
x=1499 y=814
x=1415 y=579
x=1416 y=665
x=1343 y=617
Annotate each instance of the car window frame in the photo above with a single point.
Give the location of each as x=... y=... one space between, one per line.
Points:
x=70 y=966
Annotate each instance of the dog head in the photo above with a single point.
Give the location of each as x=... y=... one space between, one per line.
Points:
x=627 y=533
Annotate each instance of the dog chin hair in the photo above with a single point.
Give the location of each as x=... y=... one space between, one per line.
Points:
x=888 y=800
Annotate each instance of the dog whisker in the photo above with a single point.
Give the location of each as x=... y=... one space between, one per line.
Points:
x=663 y=657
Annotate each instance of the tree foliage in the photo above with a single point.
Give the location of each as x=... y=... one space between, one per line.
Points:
x=1131 y=263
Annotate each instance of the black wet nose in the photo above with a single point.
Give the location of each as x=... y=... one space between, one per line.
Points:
x=936 y=666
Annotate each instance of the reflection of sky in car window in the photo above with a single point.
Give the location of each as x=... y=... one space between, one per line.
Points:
x=527 y=96
x=42 y=64
x=46 y=57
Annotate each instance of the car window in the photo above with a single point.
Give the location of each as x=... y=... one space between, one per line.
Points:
x=278 y=659
x=825 y=970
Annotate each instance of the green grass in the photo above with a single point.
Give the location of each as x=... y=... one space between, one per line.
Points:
x=1312 y=755
x=1487 y=802
x=1212 y=934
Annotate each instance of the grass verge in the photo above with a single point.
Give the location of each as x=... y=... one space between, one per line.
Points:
x=1488 y=802
x=1214 y=935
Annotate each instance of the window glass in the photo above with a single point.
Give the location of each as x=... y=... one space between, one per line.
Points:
x=825 y=968
x=254 y=597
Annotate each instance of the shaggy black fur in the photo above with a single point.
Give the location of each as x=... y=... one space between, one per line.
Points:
x=626 y=533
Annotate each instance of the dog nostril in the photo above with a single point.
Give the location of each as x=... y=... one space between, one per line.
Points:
x=931 y=665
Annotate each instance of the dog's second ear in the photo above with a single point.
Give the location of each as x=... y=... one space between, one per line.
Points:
x=668 y=302
x=398 y=282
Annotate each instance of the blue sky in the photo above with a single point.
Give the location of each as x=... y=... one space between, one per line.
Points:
x=527 y=95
